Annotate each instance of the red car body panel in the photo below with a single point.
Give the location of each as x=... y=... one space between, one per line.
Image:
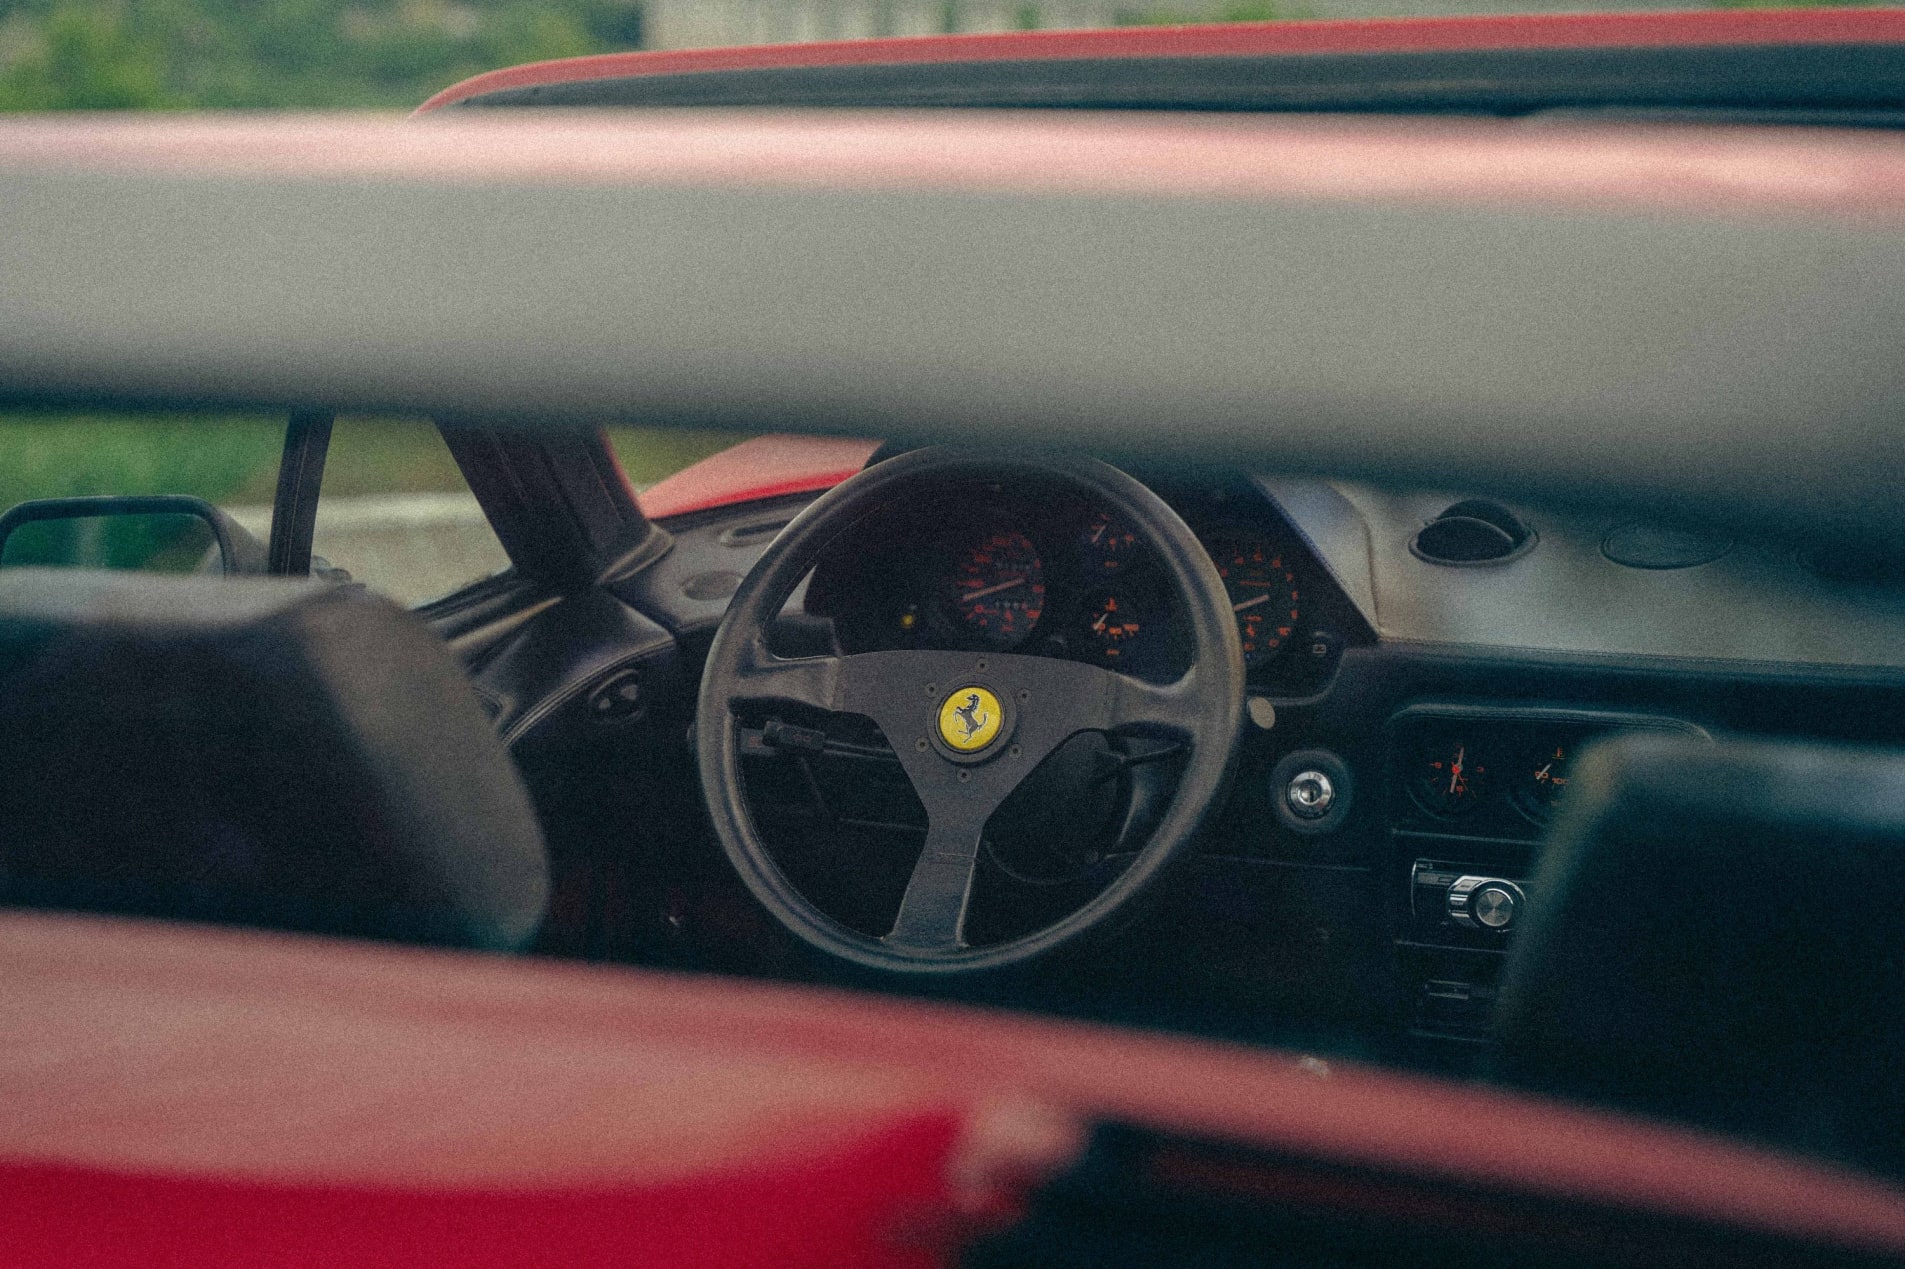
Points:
x=838 y=1210
x=764 y=467
x=1388 y=35
x=441 y=1109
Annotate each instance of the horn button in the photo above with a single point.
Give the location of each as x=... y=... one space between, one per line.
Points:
x=972 y=722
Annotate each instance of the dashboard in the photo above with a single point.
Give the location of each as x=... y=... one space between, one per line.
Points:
x=1443 y=700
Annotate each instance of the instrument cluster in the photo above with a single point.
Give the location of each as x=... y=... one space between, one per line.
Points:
x=1054 y=577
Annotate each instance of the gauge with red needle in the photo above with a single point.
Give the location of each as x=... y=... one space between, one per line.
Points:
x=1105 y=546
x=1262 y=587
x=1114 y=627
x=996 y=591
x=1450 y=776
x=1543 y=780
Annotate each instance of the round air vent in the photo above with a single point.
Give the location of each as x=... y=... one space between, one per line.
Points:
x=1474 y=531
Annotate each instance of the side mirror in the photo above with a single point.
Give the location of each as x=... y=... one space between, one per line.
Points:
x=155 y=533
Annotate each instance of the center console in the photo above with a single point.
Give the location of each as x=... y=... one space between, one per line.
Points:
x=1469 y=793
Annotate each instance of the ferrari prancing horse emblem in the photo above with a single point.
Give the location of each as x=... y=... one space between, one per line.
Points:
x=969 y=719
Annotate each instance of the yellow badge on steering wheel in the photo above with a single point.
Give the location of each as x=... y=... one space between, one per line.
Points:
x=969 y=719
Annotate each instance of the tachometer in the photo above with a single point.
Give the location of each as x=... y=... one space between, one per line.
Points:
x=997 y=589
x=1262 y=587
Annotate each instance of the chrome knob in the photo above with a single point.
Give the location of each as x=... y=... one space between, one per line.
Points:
x=1485 y=903
x=1309 y=794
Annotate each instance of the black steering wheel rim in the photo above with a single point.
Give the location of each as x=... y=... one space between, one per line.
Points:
x=1042 y=696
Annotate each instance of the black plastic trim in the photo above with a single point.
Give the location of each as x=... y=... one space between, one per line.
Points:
x=307 y=443
x=558 y=502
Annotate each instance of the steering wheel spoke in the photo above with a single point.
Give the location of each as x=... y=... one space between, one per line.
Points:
x=760 y=677
x=932 y=916
x=1175 y=708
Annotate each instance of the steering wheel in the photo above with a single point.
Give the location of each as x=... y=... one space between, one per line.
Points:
x=968 y=727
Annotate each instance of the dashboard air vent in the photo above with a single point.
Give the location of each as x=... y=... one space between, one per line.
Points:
x=1475 y=531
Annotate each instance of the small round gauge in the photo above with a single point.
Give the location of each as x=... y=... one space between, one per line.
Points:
x=1450 y=776
x=1105 y=545
x=1116 y=630
x=1262 y=588
x=1543 y=780
x=997 y=589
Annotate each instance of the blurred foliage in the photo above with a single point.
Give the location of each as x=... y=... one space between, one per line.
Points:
x=68 y=455
x=1235 y=11
x=177 y=54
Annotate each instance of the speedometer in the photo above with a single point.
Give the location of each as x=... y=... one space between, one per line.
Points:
x=1262 y=587
x=996 y=592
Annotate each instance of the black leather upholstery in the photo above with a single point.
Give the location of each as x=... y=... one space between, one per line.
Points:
x=288 y=754
x=1718 y=933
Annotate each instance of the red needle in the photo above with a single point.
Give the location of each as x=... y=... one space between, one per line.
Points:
x=981 y=593
x=1455 y=770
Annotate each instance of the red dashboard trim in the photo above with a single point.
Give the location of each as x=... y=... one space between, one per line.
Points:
x=1387 y=35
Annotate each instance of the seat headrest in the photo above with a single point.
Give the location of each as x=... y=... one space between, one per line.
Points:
x=1717 y=933
x=283 y=753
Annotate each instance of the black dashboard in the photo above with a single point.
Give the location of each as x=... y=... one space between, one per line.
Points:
x=1443 y=701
